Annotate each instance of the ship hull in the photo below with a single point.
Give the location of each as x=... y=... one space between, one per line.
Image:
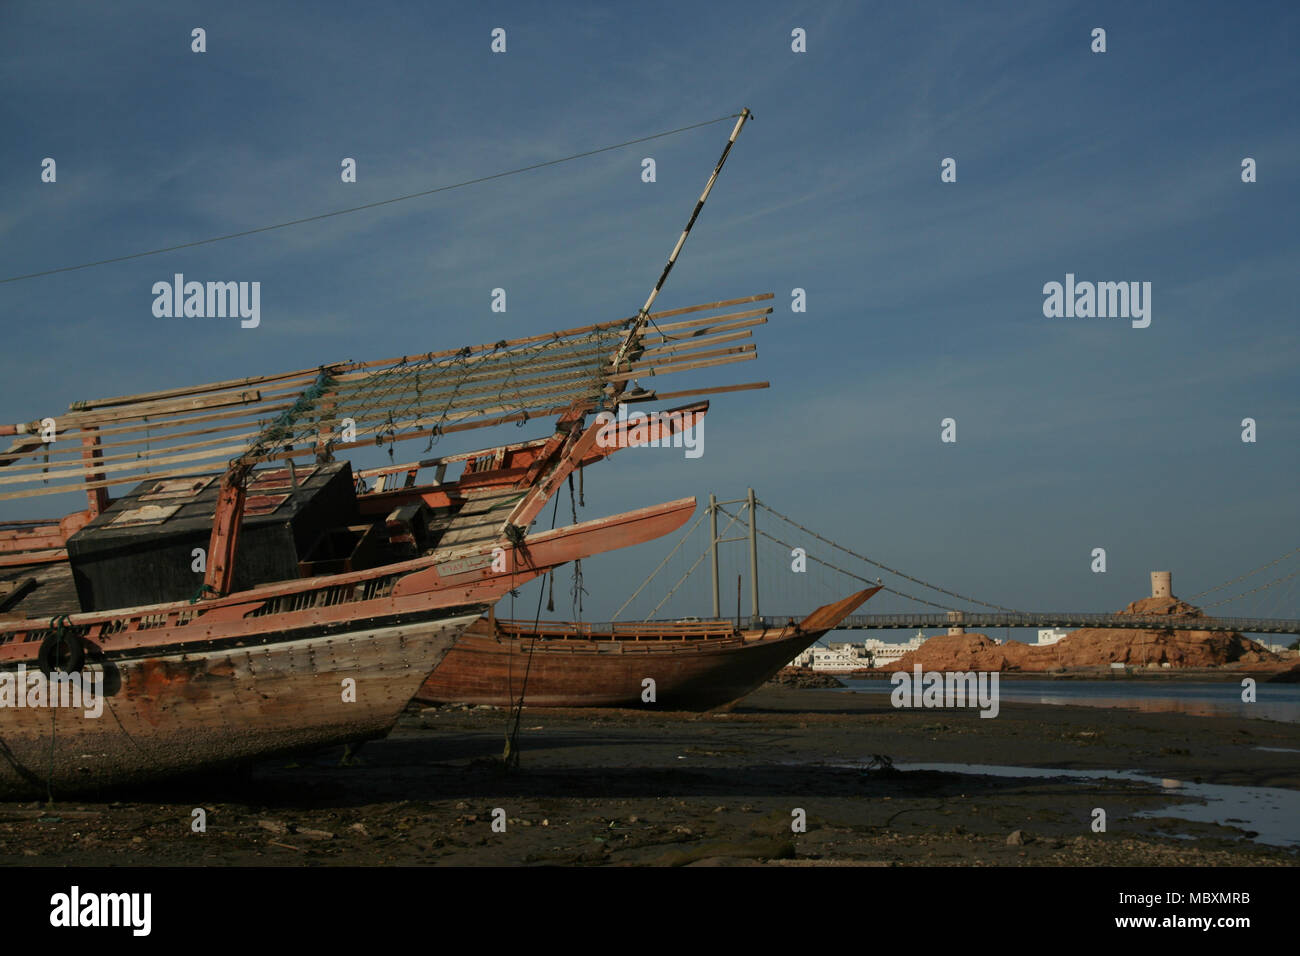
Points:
x=190 y=686
x=693 y=666
x=696 y=674
x=197 y=708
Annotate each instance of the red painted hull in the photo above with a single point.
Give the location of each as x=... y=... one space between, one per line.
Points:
x=693 y=667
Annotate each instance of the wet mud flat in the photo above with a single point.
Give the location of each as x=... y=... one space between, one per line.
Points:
x=647 y=788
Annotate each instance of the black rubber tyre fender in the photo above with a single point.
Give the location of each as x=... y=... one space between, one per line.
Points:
x=61 y=651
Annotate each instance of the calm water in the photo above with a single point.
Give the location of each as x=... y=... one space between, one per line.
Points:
x=1272 y=814
x=1212 y=699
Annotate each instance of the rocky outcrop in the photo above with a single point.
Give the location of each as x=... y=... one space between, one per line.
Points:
x=966 y=652
x=1099 y=647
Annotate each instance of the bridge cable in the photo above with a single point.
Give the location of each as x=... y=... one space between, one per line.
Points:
x=933 y=587
x=1262 y=567
x=682 y=541
x=856 y=577
x=1228 y=600
x=690 y=570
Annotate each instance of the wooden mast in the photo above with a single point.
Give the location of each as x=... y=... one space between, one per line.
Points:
x=642 y=317
x=570 y=442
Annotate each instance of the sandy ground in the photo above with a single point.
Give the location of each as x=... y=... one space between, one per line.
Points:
x=625 y=787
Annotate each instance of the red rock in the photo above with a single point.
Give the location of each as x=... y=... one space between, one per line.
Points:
x=1099 y=647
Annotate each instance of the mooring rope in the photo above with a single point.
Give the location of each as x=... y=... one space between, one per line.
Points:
x=578 y=589
x=59 y=626
x=511 y=756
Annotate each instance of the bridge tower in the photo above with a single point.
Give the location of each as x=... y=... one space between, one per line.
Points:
x=748 y=503
x=1161 y=584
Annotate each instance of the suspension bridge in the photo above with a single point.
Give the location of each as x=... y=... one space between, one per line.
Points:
x=823 y=565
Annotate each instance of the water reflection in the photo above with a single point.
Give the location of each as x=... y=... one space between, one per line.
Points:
x=1274 y=702
x=1269 y=814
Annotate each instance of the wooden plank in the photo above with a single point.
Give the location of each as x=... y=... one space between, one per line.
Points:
x=145 y=409
x=708 y=320
x=688 y=354
x=651 y=371
x=447 y=459
x=498 y=378
x=485 y=382
x=652 y=353
x=448 y=428
x=228 y=384
x=238 y=383
x=652 y=340
x=19 y=450
x=583 y=330
x=155 y=428
x=25 y=558
x=32 y=541
x=80 y=474
x=153 y=450
x=491 y=418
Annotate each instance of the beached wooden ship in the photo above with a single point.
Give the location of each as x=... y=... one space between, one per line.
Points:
x=273 y=605
x=245 y=653
x=694 y=665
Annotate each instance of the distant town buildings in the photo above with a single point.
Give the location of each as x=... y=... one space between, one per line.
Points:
x=845 y=656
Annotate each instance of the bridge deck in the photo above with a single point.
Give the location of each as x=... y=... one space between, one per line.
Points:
x=1152 y=622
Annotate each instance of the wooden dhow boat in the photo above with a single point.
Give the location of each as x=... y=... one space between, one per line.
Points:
x=205 y=618
x=693 y=665
x=263 y=611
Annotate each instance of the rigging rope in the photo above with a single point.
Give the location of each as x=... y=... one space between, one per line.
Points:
x=370 y=205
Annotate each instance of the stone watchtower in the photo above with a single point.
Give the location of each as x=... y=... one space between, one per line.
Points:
x=1161 y=586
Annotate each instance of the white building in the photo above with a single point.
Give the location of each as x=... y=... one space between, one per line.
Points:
x=845 y=656
x=1051 y=635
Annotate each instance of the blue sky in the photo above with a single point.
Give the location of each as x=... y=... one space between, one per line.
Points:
x=924 y=298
